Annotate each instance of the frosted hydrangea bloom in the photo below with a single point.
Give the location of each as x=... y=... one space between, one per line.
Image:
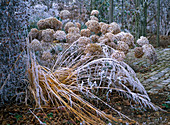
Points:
x=33 y=34
x=73 y=30
x=93 y=26
x=118 y=55
x=142 y=41
x=72 y=37
x=114 y=28
x=93 y=49
x=94 y=18
x=85 y=32
x=68 y=25
x=47 y=35
x=104 y=28
x=52 y=23
x=129 y=39
x=94 y=12
x=65 y=14
x=83 y=41
x=94 y=38
x=60 y=35
x=35 y=45
x=122 y=46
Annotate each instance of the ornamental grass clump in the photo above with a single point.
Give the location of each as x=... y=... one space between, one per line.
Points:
x=86 y=75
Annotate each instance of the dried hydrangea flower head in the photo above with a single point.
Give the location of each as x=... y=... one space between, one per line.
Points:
x=101 y=24
x=94 y=18
x=110 y=36
x=142 y=41
x=65 y=14
x=83 y=41
x=74 y=30
x=68 y=25
x=46 y=55
x=85 y=32
x=114 y=28
x=104 y=28
x=138 y=52
x=59 y=35
x=94 y=13
x=119 y=35
x=94 y=38
x=93 y=49
x=93 y=26
x=122 y=46
x=129 y=39
x=150 y=53
x=51 y=23
x=40 y=35
x=105 y=40
x=72 y=37
x=118 y=55
x=78 y=25
x=47 y=35
x=33 y=34
x=35 y=45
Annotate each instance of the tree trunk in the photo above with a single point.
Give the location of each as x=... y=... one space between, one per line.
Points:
x=158 y=22
x=137 y=20
x=110 y=11
x=145 y=18
x=91 y=5
x=122 y=17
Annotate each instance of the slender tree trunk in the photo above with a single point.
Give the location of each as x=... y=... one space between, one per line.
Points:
x=137 y=20
x=111 y=11
x=91 y=5
x=145 y=18
x=158 y=22
x=122 y=17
